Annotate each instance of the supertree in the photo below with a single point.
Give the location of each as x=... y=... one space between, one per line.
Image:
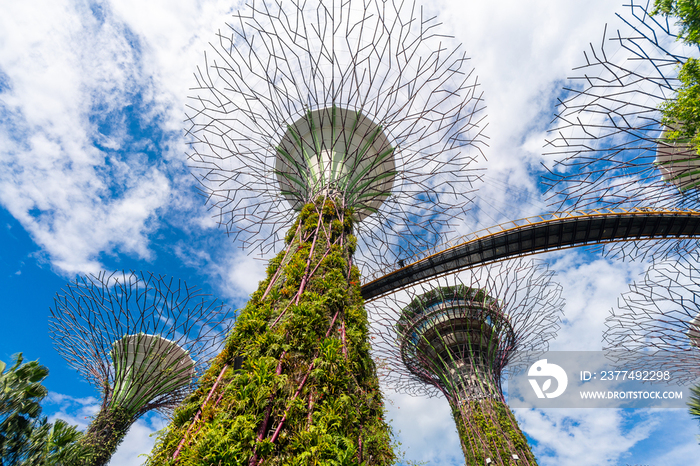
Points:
x=657 y=323
x=459 y=337
x=610 y=136
x=323 y=119
x=359 y=102
x=141 y=339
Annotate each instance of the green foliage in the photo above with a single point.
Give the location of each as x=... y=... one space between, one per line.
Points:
x=54 y=444
x=21 y=392
x=682 y=114
x=694 y=402
x=104 y=435
x=688 y=14
x=26 y=438
x=401 y=457
x=307 y=392
x=487 y=429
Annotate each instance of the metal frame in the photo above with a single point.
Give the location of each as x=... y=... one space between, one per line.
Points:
x=93 y=314
x=522 y=291
x=540 y=234
x=655 y=326
x=275 y=63
x=608 y=129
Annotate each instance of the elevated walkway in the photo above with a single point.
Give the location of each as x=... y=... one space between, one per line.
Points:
x=534 y=235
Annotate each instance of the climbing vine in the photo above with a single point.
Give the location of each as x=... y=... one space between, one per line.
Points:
x=294 y=384
x=104 y=435
x=488 y=429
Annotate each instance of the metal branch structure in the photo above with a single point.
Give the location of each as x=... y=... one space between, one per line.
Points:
x=607 y=134
x=657 y=324
x=457 y=338
x=141 y=339
x=608 y=138
x=362 y=102
x=342 y=133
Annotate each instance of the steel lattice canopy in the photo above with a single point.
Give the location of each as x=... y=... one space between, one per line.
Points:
x=449 y=335
x=338 y=153
x=146 y=366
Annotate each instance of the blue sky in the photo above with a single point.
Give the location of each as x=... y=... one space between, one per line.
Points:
x=93 y=176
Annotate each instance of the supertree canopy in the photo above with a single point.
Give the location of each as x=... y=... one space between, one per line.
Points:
x=459 y=337
x=311 y=123
x=608 y=134
x=611 y=137
x=140 y=339
x=657 y=323
x=362 y=102
x=456 y=334
x=336 y=153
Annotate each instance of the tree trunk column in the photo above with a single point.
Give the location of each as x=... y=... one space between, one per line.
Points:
x=488 y=430
x=104 y=435
x=307 y=391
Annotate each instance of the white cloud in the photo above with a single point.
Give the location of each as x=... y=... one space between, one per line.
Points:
x=70 y=78
x=76 y=78
x=236 y=273
x=425 y=428
x=523 y=52
x=678 y=432
x=75 y=411
x=571 y=437
x=592 y=286
x=138 y=441
x=71 y=73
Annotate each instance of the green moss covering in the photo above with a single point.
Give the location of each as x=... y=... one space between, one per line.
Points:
x=296 y=384
x=104 y=435
x=488 y=429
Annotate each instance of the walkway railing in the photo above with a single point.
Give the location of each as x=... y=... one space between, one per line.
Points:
x=557 y=230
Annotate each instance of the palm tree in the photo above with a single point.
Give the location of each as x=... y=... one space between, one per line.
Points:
x=26 y=438
x=54 y=445
x=21 y=392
